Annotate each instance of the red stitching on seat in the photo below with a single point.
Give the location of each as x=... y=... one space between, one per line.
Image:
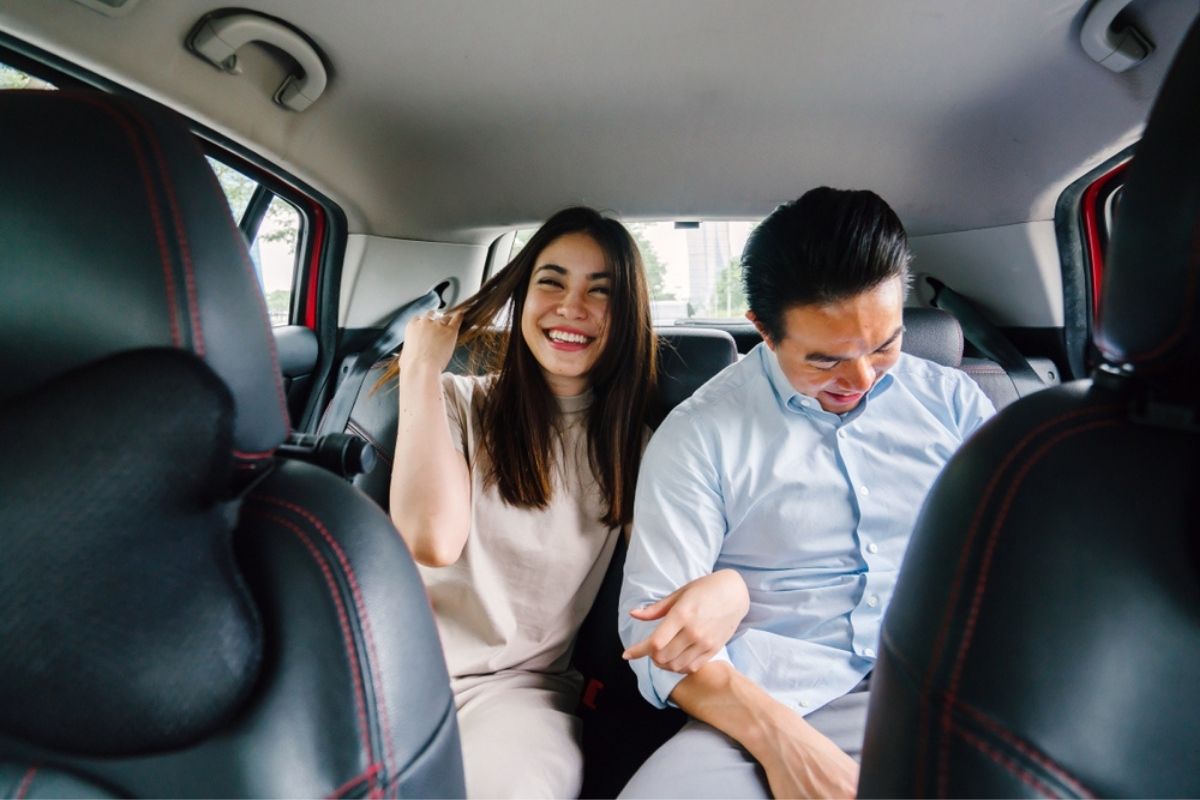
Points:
x=371 y=774
x=253 y=456
x=184 y=251
x=25 y=783
x=1007 y=763
x=984 y=567
x=1026 y=749
x=343 y=620
x=360 y=606
x=159 y=230
x=960 y=573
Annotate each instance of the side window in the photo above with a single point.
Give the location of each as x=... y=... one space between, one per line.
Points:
x=13 y=78
x=272 y=227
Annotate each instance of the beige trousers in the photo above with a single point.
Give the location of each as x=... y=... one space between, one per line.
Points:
x=519 y=736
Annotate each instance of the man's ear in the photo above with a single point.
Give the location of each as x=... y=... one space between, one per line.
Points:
x=762 y=330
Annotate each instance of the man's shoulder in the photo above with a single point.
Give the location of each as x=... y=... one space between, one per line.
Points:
x=941 y=388
x=915 y=370
x=729 y=388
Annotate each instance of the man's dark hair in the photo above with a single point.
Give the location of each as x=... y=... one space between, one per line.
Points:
x=829 y=245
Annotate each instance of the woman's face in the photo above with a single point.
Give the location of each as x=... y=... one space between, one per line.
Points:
x=565 y=319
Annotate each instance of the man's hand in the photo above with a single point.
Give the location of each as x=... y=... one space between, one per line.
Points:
x=800 y=762
x=697 y=621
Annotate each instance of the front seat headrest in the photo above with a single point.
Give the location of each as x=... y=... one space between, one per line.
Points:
x=115 y=236
x=1151 y=285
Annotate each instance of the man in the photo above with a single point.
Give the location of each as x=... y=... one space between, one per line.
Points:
x=802 y=468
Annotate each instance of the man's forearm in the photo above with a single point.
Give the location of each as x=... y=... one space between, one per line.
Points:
x=798 y=759
x=732 y=703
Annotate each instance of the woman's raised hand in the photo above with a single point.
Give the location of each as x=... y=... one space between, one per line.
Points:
x=429 y=340
x=697 y=620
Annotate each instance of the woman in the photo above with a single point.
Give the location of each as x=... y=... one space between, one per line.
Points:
x=510 y=488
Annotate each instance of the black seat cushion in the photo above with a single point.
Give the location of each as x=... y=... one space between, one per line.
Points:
x=112 y=551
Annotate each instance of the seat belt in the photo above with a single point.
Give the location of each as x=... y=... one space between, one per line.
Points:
x=338 y=413
x=987 y=338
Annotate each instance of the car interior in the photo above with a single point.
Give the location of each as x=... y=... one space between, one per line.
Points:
x=216 y=222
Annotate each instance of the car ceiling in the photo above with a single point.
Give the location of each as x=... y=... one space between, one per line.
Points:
x=449 y=120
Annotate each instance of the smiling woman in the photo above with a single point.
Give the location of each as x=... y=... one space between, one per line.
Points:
x=511 y=487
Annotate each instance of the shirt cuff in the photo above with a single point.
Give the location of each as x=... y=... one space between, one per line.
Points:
x=663 y=681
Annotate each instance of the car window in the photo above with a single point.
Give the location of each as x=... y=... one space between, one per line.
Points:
x=693 y=267
x=272 y=235
x=13 y=78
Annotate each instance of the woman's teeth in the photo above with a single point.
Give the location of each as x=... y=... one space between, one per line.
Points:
x=563 y=336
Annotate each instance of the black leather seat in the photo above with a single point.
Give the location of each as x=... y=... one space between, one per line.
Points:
x=1045 y=630
x=181 y=613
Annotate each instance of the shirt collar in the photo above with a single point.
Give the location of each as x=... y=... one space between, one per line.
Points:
x=795 y=402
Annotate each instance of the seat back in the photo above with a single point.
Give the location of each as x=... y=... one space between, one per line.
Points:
x=181 y=612
x=1043 y=636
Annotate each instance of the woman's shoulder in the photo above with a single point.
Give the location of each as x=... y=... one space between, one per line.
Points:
x=466 y=391
x=467 y=385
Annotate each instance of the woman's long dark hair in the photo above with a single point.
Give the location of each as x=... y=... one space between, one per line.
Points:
x=519 y=413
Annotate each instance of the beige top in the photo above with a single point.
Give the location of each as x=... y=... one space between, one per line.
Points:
x=527 y=577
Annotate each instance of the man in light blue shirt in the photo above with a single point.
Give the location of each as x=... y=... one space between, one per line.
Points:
x=802 y=468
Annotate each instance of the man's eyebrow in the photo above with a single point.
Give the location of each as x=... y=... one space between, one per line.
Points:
x=826 y=357
x=891 y=339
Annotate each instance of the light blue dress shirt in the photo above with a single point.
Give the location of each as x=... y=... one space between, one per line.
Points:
x=813 y=509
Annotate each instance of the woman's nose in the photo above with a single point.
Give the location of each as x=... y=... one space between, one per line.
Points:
x=572 y=307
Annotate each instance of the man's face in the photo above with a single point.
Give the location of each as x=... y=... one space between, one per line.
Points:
x=836 y=352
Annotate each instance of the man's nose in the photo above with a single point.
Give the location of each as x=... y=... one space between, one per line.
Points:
x=858 y=374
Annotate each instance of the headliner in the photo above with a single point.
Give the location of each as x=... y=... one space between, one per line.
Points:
x=447 y=120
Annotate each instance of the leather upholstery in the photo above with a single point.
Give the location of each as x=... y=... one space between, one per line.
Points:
x=687 y=359
x=1151 y=287
x=1043 y=637
x=168 y=633
x=114 y=235
x=933 y=334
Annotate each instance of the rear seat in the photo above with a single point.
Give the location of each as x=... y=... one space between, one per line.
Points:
x=936 y=335
x=620 y=729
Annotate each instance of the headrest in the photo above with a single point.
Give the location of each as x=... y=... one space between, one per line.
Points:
x=114 y=235
x=933 y=334
x=687 y=358
x=1151 y=287
x=126 y=628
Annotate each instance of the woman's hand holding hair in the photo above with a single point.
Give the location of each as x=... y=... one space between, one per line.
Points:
x=697 y=620
x=429 y=340
x=431 y=486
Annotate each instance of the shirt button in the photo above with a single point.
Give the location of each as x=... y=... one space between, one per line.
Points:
x=842 y=433
x=873 y=600
x=802 y=702
x=864 y=491
x=872 y=548
x=869 y=653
